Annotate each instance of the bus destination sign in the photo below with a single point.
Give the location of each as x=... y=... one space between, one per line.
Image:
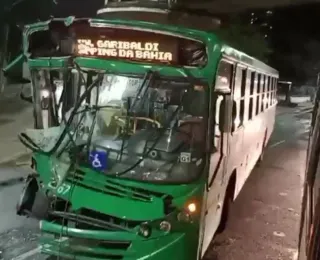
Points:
x=153 y=51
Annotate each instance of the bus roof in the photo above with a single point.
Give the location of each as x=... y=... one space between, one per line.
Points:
x=245 y=59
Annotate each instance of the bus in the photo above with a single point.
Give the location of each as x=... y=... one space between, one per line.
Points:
x=145 y=133
x=309 y=234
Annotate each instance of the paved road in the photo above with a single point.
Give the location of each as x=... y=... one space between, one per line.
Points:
x=17 y=235
x=15 y=116
x=265 y=217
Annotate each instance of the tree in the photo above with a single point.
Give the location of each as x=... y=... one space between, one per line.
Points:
x=246 y=38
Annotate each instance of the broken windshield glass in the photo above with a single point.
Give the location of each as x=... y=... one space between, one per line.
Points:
x=146 y=128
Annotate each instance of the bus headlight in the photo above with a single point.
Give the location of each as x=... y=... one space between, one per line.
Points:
x=192 y=207
x=184 y=216
x=145 y=230
x=165 y=226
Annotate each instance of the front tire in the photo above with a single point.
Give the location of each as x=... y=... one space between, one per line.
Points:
x=226 y=208
x=262 y=150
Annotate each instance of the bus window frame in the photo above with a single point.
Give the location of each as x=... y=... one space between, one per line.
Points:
x=226 y=128
x=252 y=94
x=240 y=100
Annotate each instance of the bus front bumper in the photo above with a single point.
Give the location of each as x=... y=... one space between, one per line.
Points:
x=84 y=245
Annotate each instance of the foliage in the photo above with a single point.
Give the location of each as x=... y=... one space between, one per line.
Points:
x=246 y=38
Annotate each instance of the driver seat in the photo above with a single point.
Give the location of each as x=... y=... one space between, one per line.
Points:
x=107 y=116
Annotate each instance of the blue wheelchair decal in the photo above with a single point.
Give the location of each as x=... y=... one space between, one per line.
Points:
x=98 y=160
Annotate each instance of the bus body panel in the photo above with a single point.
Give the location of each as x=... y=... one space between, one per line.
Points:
x=238 y=147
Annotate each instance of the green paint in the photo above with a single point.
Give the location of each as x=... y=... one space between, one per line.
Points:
x=126 y=201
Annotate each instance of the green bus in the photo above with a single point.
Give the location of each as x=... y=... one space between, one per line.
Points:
x=145 y=132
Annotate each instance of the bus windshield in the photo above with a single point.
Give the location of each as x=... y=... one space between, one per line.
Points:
x=147 y=128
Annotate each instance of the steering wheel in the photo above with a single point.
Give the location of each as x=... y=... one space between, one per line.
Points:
x=122 y=120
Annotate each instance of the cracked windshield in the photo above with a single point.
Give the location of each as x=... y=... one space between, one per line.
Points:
x=142 y=128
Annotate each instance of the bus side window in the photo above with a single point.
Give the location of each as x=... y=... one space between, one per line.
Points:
x=263 y=95
x=239 y=97
x=235 y=119
x=222 y=125
x=251 y=97
x=258 y=78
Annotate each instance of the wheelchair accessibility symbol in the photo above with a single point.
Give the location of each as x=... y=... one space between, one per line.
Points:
x=98 y=160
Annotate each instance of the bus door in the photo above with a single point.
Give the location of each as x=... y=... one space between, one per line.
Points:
x=236 y=152
x=222 y=113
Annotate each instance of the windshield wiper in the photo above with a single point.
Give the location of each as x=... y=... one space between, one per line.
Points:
x=162 y=130
x=74 y=112
x=130 y=108
x=149 y=75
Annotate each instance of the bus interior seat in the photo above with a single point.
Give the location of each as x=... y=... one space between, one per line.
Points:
x=108 y=117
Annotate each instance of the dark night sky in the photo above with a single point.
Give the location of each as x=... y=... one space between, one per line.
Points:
x=296 y=42
x=296 y=34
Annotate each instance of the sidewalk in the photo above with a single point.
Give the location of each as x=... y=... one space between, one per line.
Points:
x=10 y=146
x=15 y=116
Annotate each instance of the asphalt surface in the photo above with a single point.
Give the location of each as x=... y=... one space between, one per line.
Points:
x=10 y=103
x=265 y=216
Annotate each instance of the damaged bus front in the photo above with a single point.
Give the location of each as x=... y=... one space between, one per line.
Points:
x=120 y=138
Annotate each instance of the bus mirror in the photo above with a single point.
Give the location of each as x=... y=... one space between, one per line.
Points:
x=12 y=70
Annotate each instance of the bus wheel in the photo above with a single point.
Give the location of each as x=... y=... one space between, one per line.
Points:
x=226 y=207
x=262 y=150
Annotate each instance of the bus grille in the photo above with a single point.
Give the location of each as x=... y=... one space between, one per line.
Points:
x=112 y=188
x=106 y=218
x=79 y=247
